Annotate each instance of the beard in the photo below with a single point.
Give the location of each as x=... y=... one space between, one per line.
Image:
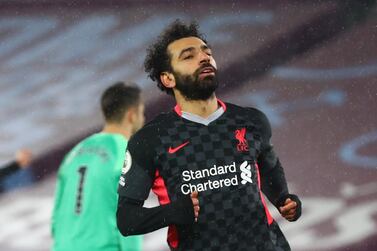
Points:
x=193 y=88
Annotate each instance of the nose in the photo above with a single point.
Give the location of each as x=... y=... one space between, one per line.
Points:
x=204 y=57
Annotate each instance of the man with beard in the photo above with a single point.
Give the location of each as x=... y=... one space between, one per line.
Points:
x=207 y=161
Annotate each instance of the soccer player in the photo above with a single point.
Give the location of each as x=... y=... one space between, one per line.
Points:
x=208 y=161
x=86 y=194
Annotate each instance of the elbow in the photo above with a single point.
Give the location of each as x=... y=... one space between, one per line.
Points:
x=124 y=230
x=123 y=223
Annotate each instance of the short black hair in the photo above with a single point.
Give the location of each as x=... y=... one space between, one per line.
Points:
x=117 y=99
x=158 y=59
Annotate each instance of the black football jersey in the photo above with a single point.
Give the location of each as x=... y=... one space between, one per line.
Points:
x=174 y=156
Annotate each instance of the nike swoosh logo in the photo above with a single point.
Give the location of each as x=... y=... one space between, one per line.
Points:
x=175 y=149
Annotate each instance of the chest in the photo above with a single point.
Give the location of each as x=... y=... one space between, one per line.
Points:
x=210 y=158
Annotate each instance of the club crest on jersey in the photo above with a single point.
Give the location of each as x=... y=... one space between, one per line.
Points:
x=240 y=135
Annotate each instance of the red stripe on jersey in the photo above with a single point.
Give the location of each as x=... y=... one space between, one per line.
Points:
x=178 y=110
x=269 y=217
x=161 y=191
x=222 y=104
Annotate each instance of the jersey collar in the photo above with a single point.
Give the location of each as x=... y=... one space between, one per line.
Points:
x=195 y=118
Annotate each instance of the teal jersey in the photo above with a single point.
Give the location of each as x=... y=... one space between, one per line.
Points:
x=84 y=216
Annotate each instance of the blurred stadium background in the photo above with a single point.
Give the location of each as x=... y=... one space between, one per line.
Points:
x=311 y=66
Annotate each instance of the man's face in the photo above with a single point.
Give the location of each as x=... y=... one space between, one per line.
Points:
x=194 y=68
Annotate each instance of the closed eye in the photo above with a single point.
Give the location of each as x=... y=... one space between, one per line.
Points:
x=207 y=50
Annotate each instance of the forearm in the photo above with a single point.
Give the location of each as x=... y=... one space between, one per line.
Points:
x=133 y=218
x=274 y=184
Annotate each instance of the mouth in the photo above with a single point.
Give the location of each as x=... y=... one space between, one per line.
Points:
x=207 y=71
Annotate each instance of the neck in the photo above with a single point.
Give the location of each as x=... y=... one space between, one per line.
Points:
x=117 y=129
x=202 y=108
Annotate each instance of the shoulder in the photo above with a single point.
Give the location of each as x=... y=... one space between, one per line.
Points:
x=104 y=141
x=150 y=132
x=257 y=119
x=106 y=146
x=249 y=112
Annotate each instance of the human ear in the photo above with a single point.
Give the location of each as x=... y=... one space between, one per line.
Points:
x=167 y=79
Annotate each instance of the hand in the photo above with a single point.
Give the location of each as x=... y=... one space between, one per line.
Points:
x=195 y=203
x=23 y=157
x=288 y=210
